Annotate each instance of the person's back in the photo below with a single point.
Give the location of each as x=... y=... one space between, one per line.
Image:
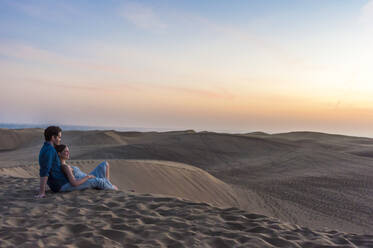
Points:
x=50 y=166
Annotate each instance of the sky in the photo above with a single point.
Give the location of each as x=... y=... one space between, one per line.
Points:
x=229 y=66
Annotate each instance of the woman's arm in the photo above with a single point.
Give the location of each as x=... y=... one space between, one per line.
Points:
x=72 y=179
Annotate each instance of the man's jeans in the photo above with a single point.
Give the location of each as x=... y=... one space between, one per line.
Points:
x=100 y=182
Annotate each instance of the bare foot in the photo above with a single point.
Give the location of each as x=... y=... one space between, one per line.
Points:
x=115 y=187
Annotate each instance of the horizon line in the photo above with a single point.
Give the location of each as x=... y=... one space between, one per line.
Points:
x=73 y=127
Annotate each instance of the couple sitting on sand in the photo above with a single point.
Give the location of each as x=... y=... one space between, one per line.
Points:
x=62 y=177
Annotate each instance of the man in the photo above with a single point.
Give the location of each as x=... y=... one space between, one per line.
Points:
x=50 y=165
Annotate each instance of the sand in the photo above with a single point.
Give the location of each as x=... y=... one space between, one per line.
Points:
x=193 y=189
x=153 y=177
x=94 y=218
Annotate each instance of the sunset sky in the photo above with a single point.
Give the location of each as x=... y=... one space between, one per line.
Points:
x=235 y=66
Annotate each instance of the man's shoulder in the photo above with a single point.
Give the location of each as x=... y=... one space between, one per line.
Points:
x=47 y=148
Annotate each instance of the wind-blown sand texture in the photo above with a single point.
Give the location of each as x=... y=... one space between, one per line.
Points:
x=93 y=218
x=307 y=184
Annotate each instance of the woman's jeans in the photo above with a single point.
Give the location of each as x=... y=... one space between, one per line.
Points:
x=99 y=182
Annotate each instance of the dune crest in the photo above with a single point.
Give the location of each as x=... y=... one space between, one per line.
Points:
x=154 y=177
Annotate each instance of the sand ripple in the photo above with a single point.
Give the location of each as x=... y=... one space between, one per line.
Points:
x=94 y=218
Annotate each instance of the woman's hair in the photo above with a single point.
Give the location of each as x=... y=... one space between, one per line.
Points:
x=60 y=148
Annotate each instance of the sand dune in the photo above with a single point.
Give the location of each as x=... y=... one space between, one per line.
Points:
x=16 y=139
x=93 y=218
x=315 y=180
x=155 y=177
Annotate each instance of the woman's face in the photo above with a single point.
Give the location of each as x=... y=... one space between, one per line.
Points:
x=65 y=154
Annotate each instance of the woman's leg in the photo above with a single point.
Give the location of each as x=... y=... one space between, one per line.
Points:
x=101 y=170
x=68 y=187
x=102 y=183
x=108 y=174
x=93 y=183
x=107 y=171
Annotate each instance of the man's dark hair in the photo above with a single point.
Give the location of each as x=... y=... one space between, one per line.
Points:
x=51 y=131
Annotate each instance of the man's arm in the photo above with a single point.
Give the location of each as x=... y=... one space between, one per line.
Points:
x=43 y=184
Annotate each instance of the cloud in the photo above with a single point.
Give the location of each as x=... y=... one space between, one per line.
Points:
x=28 y=53
x=142 y=16
x=37 y=55
x=366 y=17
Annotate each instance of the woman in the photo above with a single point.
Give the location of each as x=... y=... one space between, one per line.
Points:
x=97 y=179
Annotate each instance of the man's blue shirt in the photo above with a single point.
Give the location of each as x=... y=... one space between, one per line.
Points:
x=50 y=166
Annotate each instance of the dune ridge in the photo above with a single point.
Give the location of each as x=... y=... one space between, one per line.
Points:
x=154 y=177
x=313 y=180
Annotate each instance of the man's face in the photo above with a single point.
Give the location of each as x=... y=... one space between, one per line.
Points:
x=57 y=139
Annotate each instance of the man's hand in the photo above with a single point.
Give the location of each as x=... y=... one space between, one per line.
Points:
x=40 y=195
x=91 y=176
